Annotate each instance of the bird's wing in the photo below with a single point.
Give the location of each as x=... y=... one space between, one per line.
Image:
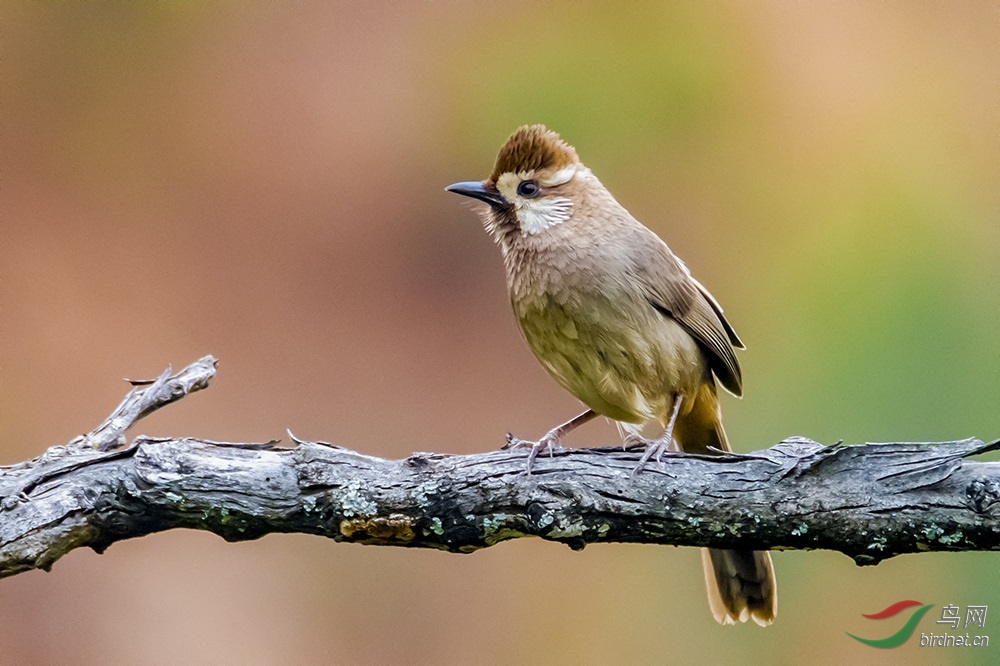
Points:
x=670 y=289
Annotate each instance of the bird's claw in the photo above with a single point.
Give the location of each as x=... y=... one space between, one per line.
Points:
x=549 y=442
x=632 y=441
x=656 y=447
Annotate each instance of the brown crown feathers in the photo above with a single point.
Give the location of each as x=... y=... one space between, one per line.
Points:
x=532 y=148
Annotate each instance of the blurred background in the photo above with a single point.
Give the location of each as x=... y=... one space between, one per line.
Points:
x=263 y=182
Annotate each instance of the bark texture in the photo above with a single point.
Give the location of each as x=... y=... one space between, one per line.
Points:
x=870 y=501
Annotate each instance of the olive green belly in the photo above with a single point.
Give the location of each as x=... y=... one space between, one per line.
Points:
x=625 y=367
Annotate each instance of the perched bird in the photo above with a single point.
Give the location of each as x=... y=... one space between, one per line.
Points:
x=617 y=320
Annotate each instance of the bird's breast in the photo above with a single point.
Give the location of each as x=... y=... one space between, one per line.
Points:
x=603 y=342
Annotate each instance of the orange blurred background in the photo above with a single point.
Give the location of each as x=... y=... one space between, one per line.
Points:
x=263 y=182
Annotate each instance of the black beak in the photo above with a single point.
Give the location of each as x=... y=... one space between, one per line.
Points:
x=478 y=190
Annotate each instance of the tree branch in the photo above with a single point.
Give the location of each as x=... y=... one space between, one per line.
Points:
x=870 y=501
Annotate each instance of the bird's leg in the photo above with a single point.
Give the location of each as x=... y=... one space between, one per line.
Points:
x=551 y=439
x=663 y=442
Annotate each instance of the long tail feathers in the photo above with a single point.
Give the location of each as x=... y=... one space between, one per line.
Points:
x=741 y=584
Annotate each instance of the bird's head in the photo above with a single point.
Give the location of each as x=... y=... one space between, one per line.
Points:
x=531 y=187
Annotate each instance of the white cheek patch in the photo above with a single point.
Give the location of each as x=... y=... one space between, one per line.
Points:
x=537 y=215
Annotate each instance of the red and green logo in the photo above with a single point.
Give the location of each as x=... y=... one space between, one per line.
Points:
x=904 y=633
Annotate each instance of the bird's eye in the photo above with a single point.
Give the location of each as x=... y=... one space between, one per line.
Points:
x=529 y=189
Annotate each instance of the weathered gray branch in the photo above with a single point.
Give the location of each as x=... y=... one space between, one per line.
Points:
x=870 y=501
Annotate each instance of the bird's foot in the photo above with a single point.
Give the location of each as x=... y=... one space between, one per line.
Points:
x=654 y=448
x=550 y=442
x=632 y=441
x=664 y=442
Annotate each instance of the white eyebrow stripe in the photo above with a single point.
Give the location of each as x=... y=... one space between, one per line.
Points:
x=562 y=176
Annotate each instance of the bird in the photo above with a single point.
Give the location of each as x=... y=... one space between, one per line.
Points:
x=617 y=319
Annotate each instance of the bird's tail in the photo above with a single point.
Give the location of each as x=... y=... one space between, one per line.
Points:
x=741 y=584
